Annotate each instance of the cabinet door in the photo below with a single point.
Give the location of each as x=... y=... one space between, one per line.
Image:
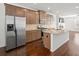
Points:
x=37 y=18
x=14 y=10
x=20 y=12
x=32 y=17
x=27 y=16
x=46 y=40
x=49 y=19
x=38 y=34
x=33 y=35
x=28 y=36
x=10 y=9
x=45 y=18
x=42 y=17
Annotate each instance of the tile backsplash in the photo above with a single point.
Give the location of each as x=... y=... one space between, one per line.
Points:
x=31 y=27
x=35 y=26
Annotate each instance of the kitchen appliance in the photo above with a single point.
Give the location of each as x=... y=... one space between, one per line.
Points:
x=15 y=32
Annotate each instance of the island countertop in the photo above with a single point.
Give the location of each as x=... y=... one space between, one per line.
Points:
x=54 y=31
x=53 y=39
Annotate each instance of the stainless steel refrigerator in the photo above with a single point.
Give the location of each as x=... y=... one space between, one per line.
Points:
x=15 y=32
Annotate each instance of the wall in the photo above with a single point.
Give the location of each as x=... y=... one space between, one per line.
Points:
x=72 y=23
x=57 y=21
x=54 y=21
x=2 y=25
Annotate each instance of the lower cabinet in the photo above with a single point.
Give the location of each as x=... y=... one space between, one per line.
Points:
x=46 y=40
x=33 y=35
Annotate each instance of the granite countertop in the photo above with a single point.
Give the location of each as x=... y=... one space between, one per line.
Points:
x=32 y=29
x=54 y=31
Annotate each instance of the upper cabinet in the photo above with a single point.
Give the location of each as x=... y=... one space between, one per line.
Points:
x=14 y=10
x=10 y=10
x=45 y=18
x=32 y=17
x=42 y=17
x=20 y=12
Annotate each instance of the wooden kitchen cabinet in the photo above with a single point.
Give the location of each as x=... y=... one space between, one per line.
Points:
x=20 y=12
x=37 y=17
x=14 y=10
x=38 y=34
x=42 y=15
x=10 y=10
x=33 y=35
x=28 y=36
x=32 y=17
x=46 y=40
x=45 y=18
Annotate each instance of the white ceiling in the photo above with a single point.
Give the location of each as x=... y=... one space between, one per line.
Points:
x=55 y=8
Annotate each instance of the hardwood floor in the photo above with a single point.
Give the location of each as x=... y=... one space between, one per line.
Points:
x=71 y=48
x=61 y=51
x=73 y=45
x=37 y=49
x=31 y=49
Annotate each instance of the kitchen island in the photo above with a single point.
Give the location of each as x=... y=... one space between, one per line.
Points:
x=53 y=39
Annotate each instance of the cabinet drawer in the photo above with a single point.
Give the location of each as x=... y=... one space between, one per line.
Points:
x=28 y=36
x=33 y=35
x=46 y=40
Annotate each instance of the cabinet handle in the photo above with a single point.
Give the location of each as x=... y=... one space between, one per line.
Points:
x=47 y=36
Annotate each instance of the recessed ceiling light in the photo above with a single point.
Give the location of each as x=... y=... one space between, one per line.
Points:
x=77 y=7
x=48 y=8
